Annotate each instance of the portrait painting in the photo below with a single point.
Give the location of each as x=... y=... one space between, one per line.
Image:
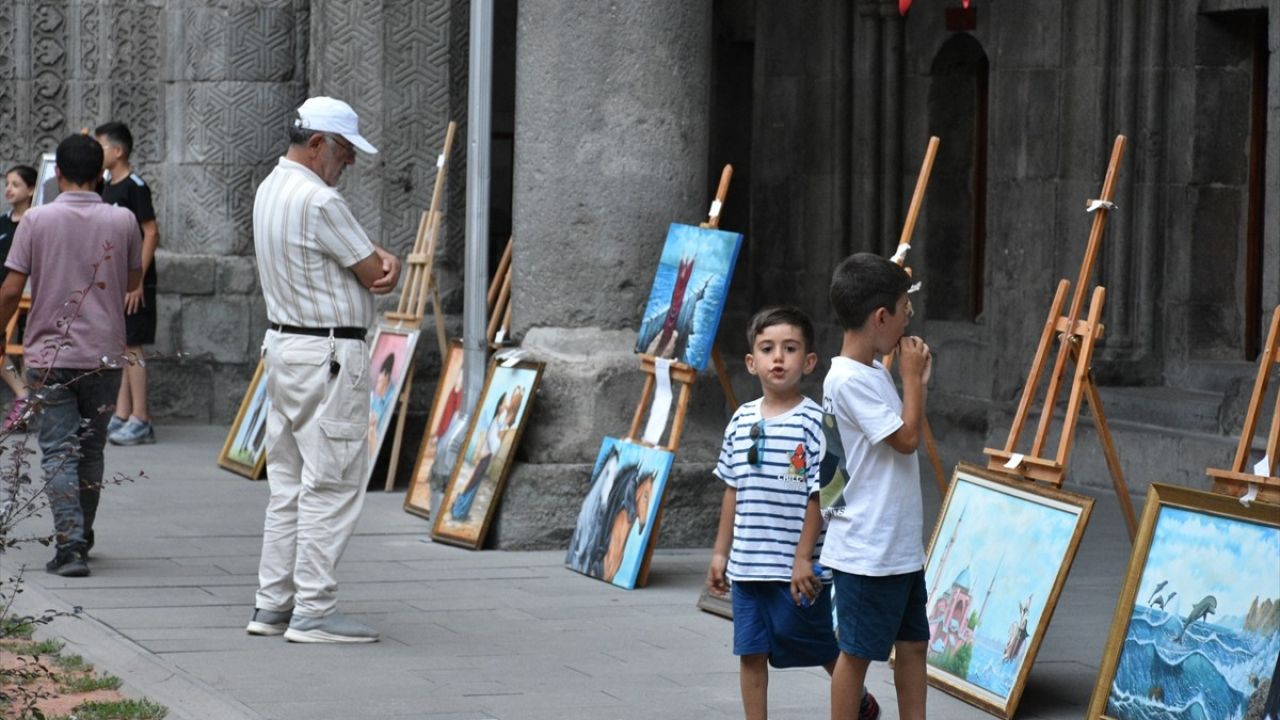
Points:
x=445 y=408
x=245 y=449
x=488 y=451
x=999 y=557
x=390 y=355
x=1196 y=632
x=616 y=523
x=688 y=295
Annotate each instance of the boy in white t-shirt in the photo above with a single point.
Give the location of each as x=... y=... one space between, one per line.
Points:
x=874 y=543
x=769 y=463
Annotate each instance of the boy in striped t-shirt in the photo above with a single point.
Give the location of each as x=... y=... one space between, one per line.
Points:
x=769 y=463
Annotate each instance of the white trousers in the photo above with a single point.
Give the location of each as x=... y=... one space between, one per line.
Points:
x=317 y=467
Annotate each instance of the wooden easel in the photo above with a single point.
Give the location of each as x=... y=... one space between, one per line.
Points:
x=900 y=257
x=1236 y=481
x=684 y=376
x=1077 y=339
x=499 y=300
x=420 y=283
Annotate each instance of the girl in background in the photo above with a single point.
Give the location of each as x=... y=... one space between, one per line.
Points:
x=19 y=187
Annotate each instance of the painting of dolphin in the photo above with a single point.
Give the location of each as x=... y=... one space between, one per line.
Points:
x=1156 y=592
x=1200 y=611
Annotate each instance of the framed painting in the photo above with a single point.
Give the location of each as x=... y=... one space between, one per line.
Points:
x=46 y=180
x=390 y=357
x=446 y=406
x=687 y=299
x=1196 y=632
x=245 y=449
x=616 y=523
x=997 y=562
x=472 y=493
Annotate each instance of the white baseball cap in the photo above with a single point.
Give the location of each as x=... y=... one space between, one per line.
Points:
x=326 y=114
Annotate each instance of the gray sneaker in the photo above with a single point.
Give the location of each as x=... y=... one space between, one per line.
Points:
x=134 y=432
x=268 y=622
x=332 y=628
x=115 y=423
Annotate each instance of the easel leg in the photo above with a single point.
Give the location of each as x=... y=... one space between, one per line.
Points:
x=1113 y=459
x=722 y=372
x=394 y=460
x=931 y=447
x=442 y=338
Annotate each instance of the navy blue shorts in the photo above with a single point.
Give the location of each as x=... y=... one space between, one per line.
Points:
x=875 y=612
x=766 y=621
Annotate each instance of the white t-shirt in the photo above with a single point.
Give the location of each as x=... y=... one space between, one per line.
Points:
x=772 y=493
x=875 y=525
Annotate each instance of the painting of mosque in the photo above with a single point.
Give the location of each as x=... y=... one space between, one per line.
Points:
x=688 y=294
x=1196 y=632
x=999 y=557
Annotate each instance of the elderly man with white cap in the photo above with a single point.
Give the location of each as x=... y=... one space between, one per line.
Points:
x=319 y=272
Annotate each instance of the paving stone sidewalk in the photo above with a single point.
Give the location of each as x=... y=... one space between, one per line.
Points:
x=466 y=635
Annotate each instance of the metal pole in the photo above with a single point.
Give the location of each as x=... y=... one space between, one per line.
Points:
x=476 y=266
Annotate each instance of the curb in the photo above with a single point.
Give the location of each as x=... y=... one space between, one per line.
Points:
x=143 y=672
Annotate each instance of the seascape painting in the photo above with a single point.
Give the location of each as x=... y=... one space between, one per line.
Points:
x=999 y=557
x=1197 y=631
x=488 y=451
x=688 y=294
x=615 y=525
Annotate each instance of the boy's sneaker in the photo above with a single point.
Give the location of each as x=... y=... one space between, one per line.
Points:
x=134 y=432
x=115 y=423
x=869 y=709
x=268 y=622
x=16 y=420
x=332 y=628
x=67 y=563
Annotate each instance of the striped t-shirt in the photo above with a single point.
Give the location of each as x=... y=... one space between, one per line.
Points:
x=306 y=240
x=771 y=494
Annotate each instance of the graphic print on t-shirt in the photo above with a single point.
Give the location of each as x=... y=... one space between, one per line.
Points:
x=832 y=476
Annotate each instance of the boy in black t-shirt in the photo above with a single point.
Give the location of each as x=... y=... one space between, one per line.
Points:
x=131 y=423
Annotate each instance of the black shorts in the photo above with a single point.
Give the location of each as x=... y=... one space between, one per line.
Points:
x=140 y=327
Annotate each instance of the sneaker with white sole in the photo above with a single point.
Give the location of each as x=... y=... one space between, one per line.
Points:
x=268 y=622
x=134 y=432
x=115 y=423
x=332 y=628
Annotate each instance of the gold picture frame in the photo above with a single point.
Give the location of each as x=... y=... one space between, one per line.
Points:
x=493 y=434
x=245 y=450
x=1197 y=611
x=446 y=407
x=997 y=562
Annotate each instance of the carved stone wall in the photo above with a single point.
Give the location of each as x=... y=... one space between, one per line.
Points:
x=208 y=87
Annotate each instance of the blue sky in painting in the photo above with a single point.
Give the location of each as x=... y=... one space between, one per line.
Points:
x=1201 y=554
x=1031 y=538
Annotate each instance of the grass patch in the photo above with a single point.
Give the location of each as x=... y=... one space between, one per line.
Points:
x=89 y=683
x=116 y=710
x=12 y=628
x=73 y=663
x=27 y=647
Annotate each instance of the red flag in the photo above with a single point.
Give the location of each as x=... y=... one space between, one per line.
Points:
x=903 y=6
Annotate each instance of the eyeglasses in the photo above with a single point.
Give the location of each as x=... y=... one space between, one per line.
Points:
x=754 y=452
x=342 y=144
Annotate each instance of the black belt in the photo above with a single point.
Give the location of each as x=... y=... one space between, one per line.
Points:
x=343 y=333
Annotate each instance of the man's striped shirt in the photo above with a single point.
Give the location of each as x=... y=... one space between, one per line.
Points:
x=306 y=241
x=773 y=492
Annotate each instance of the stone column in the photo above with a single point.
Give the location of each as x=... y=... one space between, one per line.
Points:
x=232 y=76
x=610 y=148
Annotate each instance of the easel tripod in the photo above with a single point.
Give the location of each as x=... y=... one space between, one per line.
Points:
x=1076 y=341
x=1237 y=481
